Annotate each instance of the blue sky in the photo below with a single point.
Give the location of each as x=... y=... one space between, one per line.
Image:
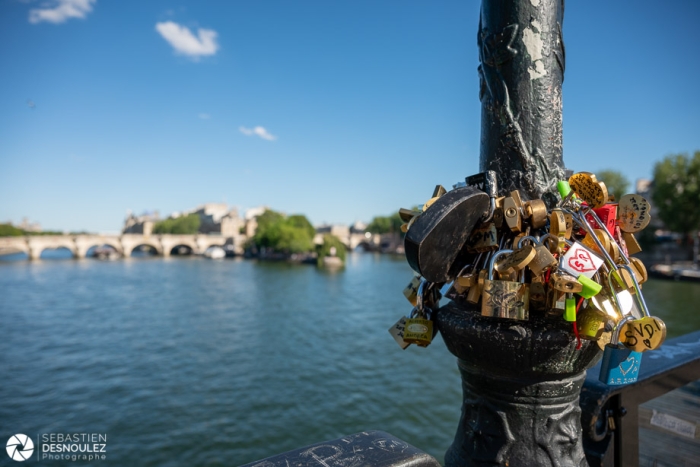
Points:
x=336 y=109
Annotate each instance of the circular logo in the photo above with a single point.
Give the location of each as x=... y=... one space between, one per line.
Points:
x=417 y=328
x=20 y=447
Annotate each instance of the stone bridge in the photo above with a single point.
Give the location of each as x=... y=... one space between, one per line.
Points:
x=124 y=244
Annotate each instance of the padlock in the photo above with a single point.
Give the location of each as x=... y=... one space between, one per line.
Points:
x=466 y=277
x=589 y=189
x=591 y=323
x=633 y=246
x=647 y=333
x=407 y=214
x=633 y=213
x=603 y=238
x=563 y=282
x=439 y=191
x=475 y=290
x=397 y=332
x=557 y=223
x=556 y=302
x=536 y=212
x=589 y=287
x=608 y=215
x=504 y=299
x=639 y=270
x=437 y=236
x=608 y=302
x=580 y=260
x=569 y=223
x=411 y=290
x=538 y=294
x=418 y=328
x=512 y=213
x=488 y=183
x=620 y=365
x=517 y=260
x=484 y=238
x=543 y=259
x=570 y=308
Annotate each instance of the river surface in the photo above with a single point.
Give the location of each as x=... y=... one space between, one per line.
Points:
x=188 y=361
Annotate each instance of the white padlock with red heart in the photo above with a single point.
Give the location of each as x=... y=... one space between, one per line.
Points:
x=580 y=260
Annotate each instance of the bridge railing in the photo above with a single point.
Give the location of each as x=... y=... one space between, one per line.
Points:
x=610 y=419
x=611 y=414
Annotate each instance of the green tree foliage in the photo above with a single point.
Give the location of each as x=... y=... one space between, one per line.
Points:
x=385 y=224
x=677 y=192
x=9 y=230
x=300 y=221
x=293 y=234
x=615 y=181
x=184 y=225
x=330 y=241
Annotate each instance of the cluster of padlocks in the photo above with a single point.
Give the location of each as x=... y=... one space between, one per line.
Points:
x=519 y=259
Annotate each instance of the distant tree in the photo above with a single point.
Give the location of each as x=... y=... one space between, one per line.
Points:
x=293 y=234
x=300 y=221
x=184 y=225
x=331 y=241
x=9 y=230
x=615 y=181
x=676 y=192
x=385 y=224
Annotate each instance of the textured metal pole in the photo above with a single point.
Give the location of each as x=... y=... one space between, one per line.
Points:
x=521 y=380
x=521 y=50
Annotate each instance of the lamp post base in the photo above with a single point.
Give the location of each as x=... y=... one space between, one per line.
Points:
x=521 y=382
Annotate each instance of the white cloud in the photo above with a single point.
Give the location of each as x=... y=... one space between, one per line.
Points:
x=204 y=116
x=184 y=42
x=258 y=131
x=58 y=11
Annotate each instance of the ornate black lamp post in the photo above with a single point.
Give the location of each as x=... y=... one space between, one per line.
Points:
x=521 y=379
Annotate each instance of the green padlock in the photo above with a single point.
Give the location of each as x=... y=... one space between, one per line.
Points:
x=564 y=188
x=590 y=287
x=570 y=309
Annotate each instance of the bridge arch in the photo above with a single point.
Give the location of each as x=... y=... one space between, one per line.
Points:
x=130 y=249
x=181 y=249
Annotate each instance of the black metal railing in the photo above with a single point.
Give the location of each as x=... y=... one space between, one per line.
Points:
x=610 y=414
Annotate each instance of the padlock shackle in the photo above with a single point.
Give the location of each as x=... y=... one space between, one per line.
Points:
x=421 y=291
x=580 y=219
x=615 y=337
x=612 y=265
x=528 y=238
x=492 y=262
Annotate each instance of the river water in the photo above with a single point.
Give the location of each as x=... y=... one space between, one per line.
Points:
x=188 y=361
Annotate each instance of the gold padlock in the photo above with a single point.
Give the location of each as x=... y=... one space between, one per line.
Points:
x=512 y=213
x=640 y=271
x=592 y=322
x=418 y=328
x=483 y=239
x=411 y=290
x=536 y=212
x=543 y=259
x=647 y=333
x=633 y=246
x=563 y=282
x=475 y=290
x=538 y=295
x=504 y=299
